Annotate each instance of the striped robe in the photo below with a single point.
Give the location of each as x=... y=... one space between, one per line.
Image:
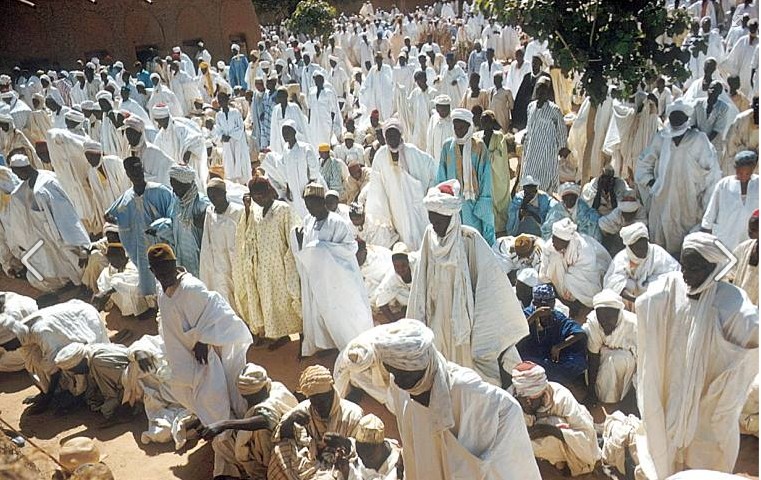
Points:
x=545 y=136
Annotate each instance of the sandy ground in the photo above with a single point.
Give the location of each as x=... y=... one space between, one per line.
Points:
x=129 y=459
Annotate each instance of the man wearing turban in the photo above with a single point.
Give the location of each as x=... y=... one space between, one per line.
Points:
x=205 y=344
x=638 y=265
x=462 y=294
x=439 y=126
x=13 y=309
x=697 y=345
x=562 y=430
x=190 y=213
x=246 y=442
x=283 y=113
x=572 y=206
x=314 y=423
x=612 y=344
x=182 y=140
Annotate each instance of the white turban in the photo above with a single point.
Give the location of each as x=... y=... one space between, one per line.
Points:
x=564 y=229
x=176 y=50
x=314 y=380
x=70 y=356
x=252 y=379
x=405 y=344
x=92 y=146
x=235 y=46
x=280 y=62
x=182 y=173
x=55 y=95
x=528 y=276
x=5 y=79
x=442 y=100
x=74 y=116
x=529 y=380
x=87 y=105
x=318 y=73
x=160 y=111
x=19 y=160
x=394 y=123
x=633 y=232
x=444 y=198
x=628 y=206
x=104 y=94
x=706 y=245
x=6 y=117
x=462 y=114
x=288 y=122
x=680 y=105
x=135 y=123
x=569 y=187
x=6 y=95
x=608 y=299
x=333 y=58
x=529 y=180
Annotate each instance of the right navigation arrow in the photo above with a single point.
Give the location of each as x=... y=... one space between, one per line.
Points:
x=732 y=260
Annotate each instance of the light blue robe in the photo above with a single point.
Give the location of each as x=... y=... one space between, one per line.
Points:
x=134 y=215
x=586 y=220
x=186 y=236
x=237 y=71
x=477 y=213
x=515 y=226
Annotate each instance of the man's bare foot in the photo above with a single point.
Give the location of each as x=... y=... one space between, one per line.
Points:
x=260 y=343
x=279 y=343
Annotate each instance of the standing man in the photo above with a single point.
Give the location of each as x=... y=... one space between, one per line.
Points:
x=230 y=130
x=238 y=67
x=188 y=223
x=545 y=136
x=324 y=114
x=300 y=166
x=440 y=126
x=420 y=102
x=183 y=141
x=283 y=113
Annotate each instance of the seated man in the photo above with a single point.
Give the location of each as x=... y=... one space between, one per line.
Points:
x=612 y=344
x=120 y=282
x=638 y=265
x=356 y=182
x=605 y=192
x=627 y=212
x=555 y=341
x=249 y=444
x=374 y=262
x=377 y=456
x=574 y=263
x=528 y=209
x=13 y=309
x=562 y=430
x=393 y=292
x=309 y=424
x=517 y=253
x=573 y=207
x=103 y=365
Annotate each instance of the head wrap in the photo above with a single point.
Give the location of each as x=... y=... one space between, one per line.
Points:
x=314 y=189
x=70 y=356
x=235 y=46
x=182 y=173
x=19 y=160
x=87 y=105
x=55 y=95
x=281 y=62
x=218 y=170
x=746 y=158
x=392 y=123
x=331 y=193
x=406 y=345
x=252 y=379
x=348 y=136
x=160 y=252
x=176 y=50
x=523 y=244
x=633 y=232
x=608 y=299
x=314 y=380
x=323 y=147
x=370 y=430
x=92 y=146
x=680 y=105
x=569 y=187
x=105 y=95
x=160 y=110
x=442 y=100
x=288 y=122
x=444 y=198
x=543 y=293
x=356 y=208
x=463 y=114
x=216 y=183
x=7 y=94
x=529 y=277
x=529 y=180
x=564 y=229
x=135 y=123
x=399 y=248
x=705 y=245
x=529 y=380
x=74 y=116
x=628 y=204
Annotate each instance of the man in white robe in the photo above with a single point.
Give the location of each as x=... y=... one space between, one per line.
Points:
x=156 y=163
x=205 y=343
x=452 y=424
x=374 y=262
x=334 y=301
x=119 y=283
x=638 y=265
x=110 y=136
x=184 y=87
x=13 y=309
x=574 y=263
x=420 y=102
x=106 y=178
x=733 y=201
x=742 y=60
x=298 y=166
x=612 y=345
x=182 y=140
x=46 y=212
x=402 y=174
x=376 y=91
x=230 y=130
x=282 y=111
x=675 y=176
x=218 y=240
x=393 y=293
x=324 y=114
x=562 y=431
x=461 y=292
x=742 y=135
x=162 y=95
x=452 y=81
x=440 y=126
x=697 y=353
x=745 y=273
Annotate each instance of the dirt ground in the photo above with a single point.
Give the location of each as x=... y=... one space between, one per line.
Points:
x=120 y=444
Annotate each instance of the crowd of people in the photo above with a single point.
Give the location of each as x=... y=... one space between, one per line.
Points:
x=417 y=193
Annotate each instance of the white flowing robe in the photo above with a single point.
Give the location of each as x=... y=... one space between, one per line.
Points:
x=235 y=154
x=162 y=94
x=15 y=308
x=684 y=176
x=695 y=361
x=624 y=275
x=439 y=130
x=577 y=272
x=478 y=434
x=47 y=214
x=334 y=301
x=126 y=285
x=106 y=185
x=745 y=275
x=193 y=314
x=218 y=250
x=298 y=167
x=156 y=162
x=374 y=269
x=448 y=76
x=618 y=355
x=728 y=212
x=180 y=136
x=395 y=194
x=292 y=112
x=460 y=292
x=419 y=104
x=324 y=116
x=376 y=91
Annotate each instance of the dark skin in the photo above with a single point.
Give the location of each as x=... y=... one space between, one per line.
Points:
x=320 y=404
x=439 y=223
x=331 y=202
x=531 y=406
x=529 y=192
x=406 y=380
x=676 y=119
x=695 y=269
x=473 y=84
x=713 y=96
x=402 y=268
x=542 y=316
x=168 y=275
x=420 y=80
x=460 y=128
x=316 y=207
x=136 y=174
x=373 y=455
x=524 y=293
x=250 y=424
x=608 y=319
x=536 y=65
x=218 y=198
x=133 y=136
x=569 y=200
x=180 y=189
x=224 y=104
x=753 y=235
x=93 y=158
x=361 y=253
x=117 y=258
x=443 y=110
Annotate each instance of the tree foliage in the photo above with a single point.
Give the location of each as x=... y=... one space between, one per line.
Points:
x=605 y=41
x=313 y=18
x=274 y=10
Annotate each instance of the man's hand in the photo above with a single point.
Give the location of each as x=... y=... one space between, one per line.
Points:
x=145 y=361
x=555 y=353
x=302 y=418
x=225 y=138
x=209 y=432
x=544 y=430
x=286 y=430
x=300 y=235
x=186 y=157
x=651 y=183
x=539 y=311
x=201 y=352
x=151 y=231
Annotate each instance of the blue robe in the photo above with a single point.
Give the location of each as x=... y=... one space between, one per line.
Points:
x=237 y=72
x=586 y=220
x=516 y=226
x=186 y=236
x=536 y=348
x=134 y=215
x=478 y=213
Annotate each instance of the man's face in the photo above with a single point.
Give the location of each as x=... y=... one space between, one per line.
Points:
x=289 y=134
x=218 y=198
x=315 y=206
x=165 y=272
x=135 y=172
x=695 y=268
x=536 y=65
x=405 y=379
x=640 y=248
x=393 y=138
x=709 y=67
x=570 y=199
x=179 y=188
x=22 y=172
x=117 y=257
x=531 y=405
x=753 y=228
x=357 y=219
x=608 y=318
x=281 y=97
x=660 y=84
x=559 y=244
x=440 y=223
x=460 y=128
x=743 y=174
x=163 y=123
x=93 y=158
x=677 y=119
x=401 y=265
x=705 y=25
x=322 y=403
x=133 y=136
x=529 y=192
x=443 y=110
